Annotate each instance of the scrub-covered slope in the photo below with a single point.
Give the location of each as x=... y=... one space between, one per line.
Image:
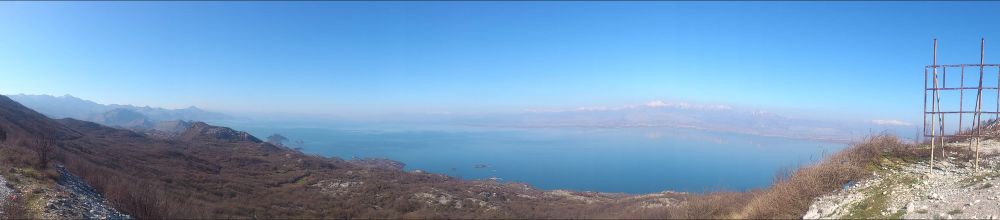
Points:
x=209 y=171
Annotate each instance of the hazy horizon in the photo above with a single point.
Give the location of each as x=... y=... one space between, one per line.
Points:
x=374 y=59
x=499 y=109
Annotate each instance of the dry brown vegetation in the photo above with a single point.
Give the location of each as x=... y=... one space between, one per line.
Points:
x=213 y=177
x=791 y=194
x=227 y=174
x=790 y=197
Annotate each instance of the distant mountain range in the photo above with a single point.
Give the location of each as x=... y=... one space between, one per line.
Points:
x=710 y=117
x=125 y=116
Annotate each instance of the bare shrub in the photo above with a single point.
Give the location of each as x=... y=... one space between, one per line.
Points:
x=3 y=135
x=43 y=150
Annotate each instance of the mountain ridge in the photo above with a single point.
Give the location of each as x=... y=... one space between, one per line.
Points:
x=217 y=172
x=125 y=116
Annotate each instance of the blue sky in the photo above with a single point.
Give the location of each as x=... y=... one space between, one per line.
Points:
x=833 y=59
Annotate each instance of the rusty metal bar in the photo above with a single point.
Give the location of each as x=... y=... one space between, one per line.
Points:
x=957 y=112
x=963 y=88
x=952 y=135
x=957 y=65
x=936 y=129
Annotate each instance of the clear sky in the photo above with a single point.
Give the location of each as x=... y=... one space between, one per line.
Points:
x=837 y=59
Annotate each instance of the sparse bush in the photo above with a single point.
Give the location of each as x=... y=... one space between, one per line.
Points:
x=43 y=149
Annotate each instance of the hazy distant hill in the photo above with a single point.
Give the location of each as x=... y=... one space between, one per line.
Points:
x=697 y=116
x=127 y=116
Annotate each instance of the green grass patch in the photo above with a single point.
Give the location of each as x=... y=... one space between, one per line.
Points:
x=909 y=180
x=898 y=215
x=976 y=179
x=877 y=197
x=985 y=186
x=871 y=206
x=28 y=172
x=955 y=212
x=873 y=167
x=889 y=162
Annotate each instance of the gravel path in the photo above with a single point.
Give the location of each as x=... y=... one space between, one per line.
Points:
x=82 y=200
x=6 y=198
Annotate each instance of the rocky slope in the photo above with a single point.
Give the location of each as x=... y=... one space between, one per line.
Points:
x=75 y=199
x=8 y=197
x=27 y=196
x=909 y=189
x=215 y=172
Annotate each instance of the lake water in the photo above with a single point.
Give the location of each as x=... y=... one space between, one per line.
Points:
x=630 y=160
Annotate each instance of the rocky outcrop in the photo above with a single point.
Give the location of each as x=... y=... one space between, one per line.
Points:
x=378 y=163
x=912 y=190
x=199 y=130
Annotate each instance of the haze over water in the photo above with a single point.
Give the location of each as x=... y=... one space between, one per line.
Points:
x=630 y=160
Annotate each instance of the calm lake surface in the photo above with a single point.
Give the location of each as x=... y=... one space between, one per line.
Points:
x=630 y=160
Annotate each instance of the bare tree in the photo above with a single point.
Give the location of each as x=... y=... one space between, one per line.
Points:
x=43 y=148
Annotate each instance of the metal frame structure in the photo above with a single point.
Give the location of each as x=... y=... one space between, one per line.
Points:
x=937 y=116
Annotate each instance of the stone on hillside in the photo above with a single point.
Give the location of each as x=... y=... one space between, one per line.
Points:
x=813 y=213
x=933 y=196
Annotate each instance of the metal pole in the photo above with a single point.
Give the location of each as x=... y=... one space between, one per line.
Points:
x=937 y=103
x=982 y=61
x=933 y=106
